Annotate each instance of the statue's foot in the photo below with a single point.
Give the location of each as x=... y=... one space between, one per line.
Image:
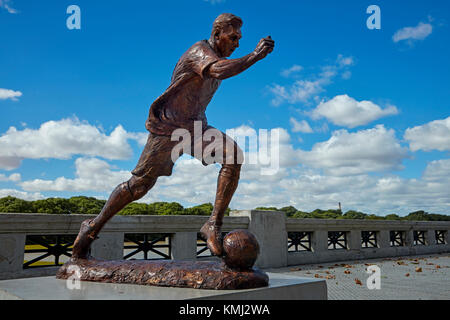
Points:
x=212 y=234
x=82 y=245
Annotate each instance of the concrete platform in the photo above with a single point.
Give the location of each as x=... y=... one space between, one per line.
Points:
x=281 y=287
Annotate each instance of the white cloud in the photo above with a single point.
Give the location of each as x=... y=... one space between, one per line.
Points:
x=91 y=175
x=346 y=75
x=300 y=91
x=61 y=140
x=15 y=177
x=322 y=129
x=345 y=61
x=419 y=32
x=281 y=94
x=5 y=4
x=140 y=137
x=437 y=170
x=345 y=111
x=308 y=189
x=190 y=182
x=21 y=194
x=292 y=70
x=434 y=135
x=9 y=94
x=371 y=150
x=302 y=126
x=306 y=90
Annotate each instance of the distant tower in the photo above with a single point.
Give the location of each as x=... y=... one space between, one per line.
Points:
x=340 y=208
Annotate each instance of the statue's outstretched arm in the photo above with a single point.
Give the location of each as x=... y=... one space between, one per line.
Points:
x=227 y=68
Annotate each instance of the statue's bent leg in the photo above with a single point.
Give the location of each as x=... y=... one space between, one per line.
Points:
x=226 y=186
x=123 y=194
x=155 y=161
x=232 y=159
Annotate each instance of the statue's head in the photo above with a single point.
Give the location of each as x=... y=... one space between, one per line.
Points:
x=226 y=34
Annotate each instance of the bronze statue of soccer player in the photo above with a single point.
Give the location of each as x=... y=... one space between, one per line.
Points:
x=195 y=79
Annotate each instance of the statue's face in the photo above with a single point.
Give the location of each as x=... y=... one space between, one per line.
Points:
x=228 y=40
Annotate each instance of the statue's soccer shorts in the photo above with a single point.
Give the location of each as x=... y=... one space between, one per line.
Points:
x=160 y=152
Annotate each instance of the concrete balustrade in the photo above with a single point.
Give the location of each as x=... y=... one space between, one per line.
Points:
x=354 y=249
x=270 y=228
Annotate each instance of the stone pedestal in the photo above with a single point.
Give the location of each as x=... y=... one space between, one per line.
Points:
x=165 y=273
x=281 y=287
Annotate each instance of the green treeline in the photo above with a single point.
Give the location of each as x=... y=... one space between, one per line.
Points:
x=90 y=205
x=292 y=212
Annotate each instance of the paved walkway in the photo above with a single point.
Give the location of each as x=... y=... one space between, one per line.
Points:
x=425 y=277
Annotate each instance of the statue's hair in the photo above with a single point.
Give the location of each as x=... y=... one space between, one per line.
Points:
x=224 y=20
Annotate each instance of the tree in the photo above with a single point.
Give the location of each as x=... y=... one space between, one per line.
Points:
x=374 y=217
x=165 y=208
x=302 y=215
x=266 y=208
x=54 y=206
x=14 y=205
x=289 y=211
x=328 y=214
x=135 y=208
x=439 y=217
x=86 y=205
x=425 y=216
x=351 y=214
x=90 y=205
x=200 y=210
x=393 y=216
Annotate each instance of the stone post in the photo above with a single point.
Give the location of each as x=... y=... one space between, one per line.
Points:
x=183 y=246
x=409 y=238
x=12 y=246
x=108 y=246
x=269 y=228
x=354 y=241
x=319 y=241
x=384 y=239
x=430 y=237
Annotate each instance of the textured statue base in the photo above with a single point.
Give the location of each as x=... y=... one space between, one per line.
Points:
x=166 y=273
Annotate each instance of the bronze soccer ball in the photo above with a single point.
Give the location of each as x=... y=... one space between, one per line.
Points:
x=240 y=249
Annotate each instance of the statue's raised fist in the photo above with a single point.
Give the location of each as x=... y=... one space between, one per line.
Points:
x=264 y=47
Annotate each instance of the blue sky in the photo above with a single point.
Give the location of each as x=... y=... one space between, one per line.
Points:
x=363 y=114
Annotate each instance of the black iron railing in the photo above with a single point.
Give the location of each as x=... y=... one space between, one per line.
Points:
x=299 y=241
x=337 y=240
x=146 y=244
x=419 y=238
x=397 y=238
x=45 y=246
x=440 y=236
x=369 y=239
